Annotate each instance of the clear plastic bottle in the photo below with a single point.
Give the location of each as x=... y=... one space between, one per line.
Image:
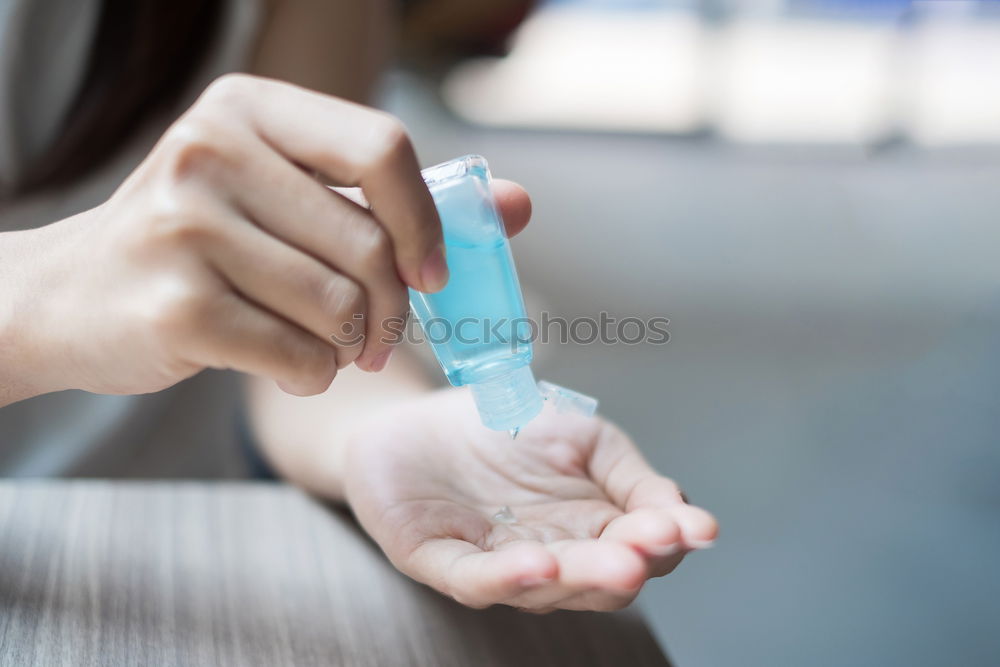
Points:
x=477 y=324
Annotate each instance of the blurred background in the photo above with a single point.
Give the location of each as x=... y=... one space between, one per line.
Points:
x=810 y=191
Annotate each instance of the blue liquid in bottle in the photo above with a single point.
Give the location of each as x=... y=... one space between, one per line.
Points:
x=477 y=324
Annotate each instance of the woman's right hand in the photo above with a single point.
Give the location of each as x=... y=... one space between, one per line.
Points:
x=223 y=250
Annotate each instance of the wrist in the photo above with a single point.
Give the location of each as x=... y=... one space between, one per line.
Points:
x=16 y=383
x=29 y=349
x=19 y=378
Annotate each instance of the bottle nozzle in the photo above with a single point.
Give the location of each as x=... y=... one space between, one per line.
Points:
x=509 y=401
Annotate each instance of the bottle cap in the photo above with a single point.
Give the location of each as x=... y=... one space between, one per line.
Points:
x=566 y=400
x=508 y=401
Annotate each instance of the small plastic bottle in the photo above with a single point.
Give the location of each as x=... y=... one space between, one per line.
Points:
x=477 y=324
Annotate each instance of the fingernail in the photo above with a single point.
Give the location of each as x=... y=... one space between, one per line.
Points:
x=379 y=362
x=434 y=273
x=663 y=549
x=700 y=544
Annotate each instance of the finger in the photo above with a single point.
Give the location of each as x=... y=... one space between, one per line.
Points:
x=512 y=201
x=698 y=528
x=654 y=534
x=539 y=611
x=238 y=335
x=625 y=475
x=552 y=598
x=590 y=564
x=632 y=484
x=290 y=205
x=598 y=601
x=653 y=531
x=514 y=205
x=586 y=565
x=291 y=284
x=661 y=534
x=478 y=578
x=352 y=146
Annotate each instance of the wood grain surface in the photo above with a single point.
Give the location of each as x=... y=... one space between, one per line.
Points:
x=137 y=573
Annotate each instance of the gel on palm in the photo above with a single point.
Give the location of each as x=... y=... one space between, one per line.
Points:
x=477 y=324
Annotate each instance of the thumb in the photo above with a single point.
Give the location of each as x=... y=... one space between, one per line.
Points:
x=514 y=204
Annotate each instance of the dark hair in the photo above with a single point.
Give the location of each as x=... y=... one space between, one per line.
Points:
x=143 y=54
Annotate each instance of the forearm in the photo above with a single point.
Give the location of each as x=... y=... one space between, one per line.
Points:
x=304 y=438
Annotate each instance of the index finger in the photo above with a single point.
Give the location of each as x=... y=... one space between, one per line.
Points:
x=352 y=146
x=478 y=578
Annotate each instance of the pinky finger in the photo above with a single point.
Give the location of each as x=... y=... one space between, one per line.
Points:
x=241 y=336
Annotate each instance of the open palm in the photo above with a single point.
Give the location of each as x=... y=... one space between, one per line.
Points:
x=589 y=520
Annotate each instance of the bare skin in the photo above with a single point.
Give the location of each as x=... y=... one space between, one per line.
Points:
x=224 y=250
x=221 y=250
x=593 y=520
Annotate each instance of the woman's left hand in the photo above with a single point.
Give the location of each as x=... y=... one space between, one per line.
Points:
x=593 y=521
